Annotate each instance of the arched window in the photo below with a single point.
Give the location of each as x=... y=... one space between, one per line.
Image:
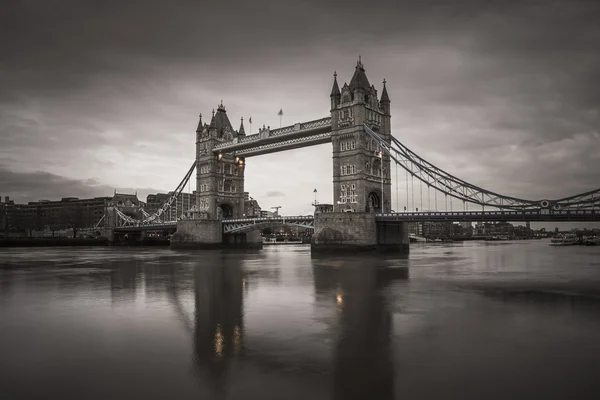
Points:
x=353 y=145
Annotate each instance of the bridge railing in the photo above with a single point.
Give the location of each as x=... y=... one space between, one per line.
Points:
x=498 y=215
x=271 y=219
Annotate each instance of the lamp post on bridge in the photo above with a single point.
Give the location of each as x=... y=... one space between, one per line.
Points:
x=380 y=155
x=315 y=203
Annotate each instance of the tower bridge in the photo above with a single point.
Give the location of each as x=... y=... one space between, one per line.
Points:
x=363 y=152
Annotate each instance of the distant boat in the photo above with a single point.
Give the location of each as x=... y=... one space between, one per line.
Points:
x=285 y=241
x=564 y=240
x=414 y=238
x=499 y=237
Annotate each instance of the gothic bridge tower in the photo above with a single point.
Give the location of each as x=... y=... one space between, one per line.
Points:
x=220 y=178
x=360 y=169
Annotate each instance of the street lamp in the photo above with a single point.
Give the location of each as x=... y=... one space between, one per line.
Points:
x=380 y=155
x=315 y=192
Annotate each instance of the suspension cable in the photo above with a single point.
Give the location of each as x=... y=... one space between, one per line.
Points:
x=397 y=195
x=407 y=208
x=421 y=190
x=412 y=189
x=428 y=197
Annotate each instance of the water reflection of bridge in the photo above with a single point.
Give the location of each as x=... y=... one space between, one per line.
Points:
x=350 y=347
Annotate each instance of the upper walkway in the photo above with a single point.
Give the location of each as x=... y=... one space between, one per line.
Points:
x=287 y=138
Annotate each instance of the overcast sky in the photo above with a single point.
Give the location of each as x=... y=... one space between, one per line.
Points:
x=98 y=95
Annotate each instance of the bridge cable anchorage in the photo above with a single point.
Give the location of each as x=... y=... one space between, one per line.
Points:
x=455 y=187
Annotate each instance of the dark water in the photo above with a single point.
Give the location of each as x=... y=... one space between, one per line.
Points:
x=463 y=321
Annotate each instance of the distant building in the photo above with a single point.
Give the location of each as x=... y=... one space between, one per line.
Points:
x=435 y=230
x=266 y=214
x=251 y=207
x=180 y=205
x=67 y=213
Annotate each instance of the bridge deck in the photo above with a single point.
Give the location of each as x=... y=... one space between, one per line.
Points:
x=243 y=224
x=492 y=216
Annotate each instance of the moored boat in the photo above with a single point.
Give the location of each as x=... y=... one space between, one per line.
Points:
x=564 y=240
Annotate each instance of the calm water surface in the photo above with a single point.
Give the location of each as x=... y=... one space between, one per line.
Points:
x=503 y=320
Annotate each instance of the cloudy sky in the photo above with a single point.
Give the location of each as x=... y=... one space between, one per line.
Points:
x=98 y=95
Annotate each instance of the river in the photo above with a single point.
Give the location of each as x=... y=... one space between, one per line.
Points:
x=473 y=320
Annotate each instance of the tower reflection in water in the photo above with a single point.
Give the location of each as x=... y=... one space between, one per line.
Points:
x=351 y=295
x=362 y=354
x=218 y=333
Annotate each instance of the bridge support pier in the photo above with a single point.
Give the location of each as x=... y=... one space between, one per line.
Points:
x=358 y=232
x=208 y=234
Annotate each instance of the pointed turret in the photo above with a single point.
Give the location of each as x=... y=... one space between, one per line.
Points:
x=336 y=95
x=199 y=129
x=385 y=98
x=212 y=121
x=335 y=90
x=242 y=132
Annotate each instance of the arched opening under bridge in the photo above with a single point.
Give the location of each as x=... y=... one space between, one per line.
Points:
x=374 y=202
x=224 y=211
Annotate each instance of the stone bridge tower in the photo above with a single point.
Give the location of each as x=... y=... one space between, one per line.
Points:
x=219 y=178
x=359 y=165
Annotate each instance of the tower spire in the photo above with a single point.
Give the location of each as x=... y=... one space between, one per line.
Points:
x=242 y=132
x=213 y=123
x=200 y=126
x=385 y=98
x=335 y=90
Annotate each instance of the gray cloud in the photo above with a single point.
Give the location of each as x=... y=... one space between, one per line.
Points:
x=275 y=193
x=18 y=186
x=499 y=93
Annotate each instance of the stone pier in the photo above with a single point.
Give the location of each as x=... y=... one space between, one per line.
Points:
x=352 y=232
x=208 y=234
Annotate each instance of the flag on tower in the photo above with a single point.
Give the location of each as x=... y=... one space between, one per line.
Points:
x=280 y=113
x=250 y=120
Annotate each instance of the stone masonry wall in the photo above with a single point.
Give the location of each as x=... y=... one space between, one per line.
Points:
x=345 y=229
x=197 y=232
